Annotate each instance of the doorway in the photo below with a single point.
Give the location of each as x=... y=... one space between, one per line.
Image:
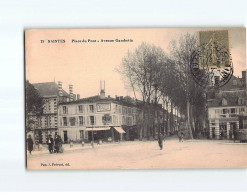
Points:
x=233 y=128
x=65 y=136
x=213 y=132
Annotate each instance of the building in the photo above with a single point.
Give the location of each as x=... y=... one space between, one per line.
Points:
x=227 y=108
x=97 y=117
x=47 y=123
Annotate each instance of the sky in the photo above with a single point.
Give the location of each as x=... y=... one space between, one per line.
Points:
x=84 y=64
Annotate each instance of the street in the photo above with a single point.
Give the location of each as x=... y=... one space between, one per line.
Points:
x=145 y=155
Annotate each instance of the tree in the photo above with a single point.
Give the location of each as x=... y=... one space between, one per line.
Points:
x=141 y=71
x=182 y=55
x=34 y=103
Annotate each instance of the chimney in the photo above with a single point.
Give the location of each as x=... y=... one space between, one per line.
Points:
x=244 y=77
x=74 y=97
x=216 y=80
x=121 y=97
x=102 y=90
x=78 y=96
x=71 y=96
x=60 y=90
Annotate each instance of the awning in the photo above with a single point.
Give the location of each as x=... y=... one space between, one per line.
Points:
x=119 y=129
x=97 y=129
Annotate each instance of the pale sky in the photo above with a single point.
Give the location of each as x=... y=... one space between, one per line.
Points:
x=85 y=64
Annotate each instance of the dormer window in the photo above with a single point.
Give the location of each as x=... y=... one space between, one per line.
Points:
x=224 y=102
x=240 y=101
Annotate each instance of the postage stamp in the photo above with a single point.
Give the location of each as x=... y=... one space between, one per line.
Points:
x=211 y=65
x=214 y=49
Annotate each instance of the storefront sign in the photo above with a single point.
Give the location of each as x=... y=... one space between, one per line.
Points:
x=103 y=107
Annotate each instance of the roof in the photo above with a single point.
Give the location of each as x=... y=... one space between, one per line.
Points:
x=49 y=89
x=233 y=83
x=126 y=101
x=231 y=97
x=97 y=98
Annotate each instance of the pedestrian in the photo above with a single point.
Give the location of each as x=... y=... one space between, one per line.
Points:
x=50 y=143
x=179 y=136
x=60 y=143
x=29 y=144
x=56 y=141
x=182 y=136
x=234 y=135
x=160 y=141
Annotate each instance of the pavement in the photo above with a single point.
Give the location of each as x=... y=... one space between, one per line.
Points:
x=144 y=155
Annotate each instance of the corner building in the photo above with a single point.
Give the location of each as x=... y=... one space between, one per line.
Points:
x=97 y=118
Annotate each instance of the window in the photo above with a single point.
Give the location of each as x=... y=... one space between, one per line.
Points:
x=240 y=101
x=224 y=102
x=47 y=105
x=91 y=108
x=119 y=110
x=242 y=110
x=39 y=122
x=81 y=134
x=130 y=122
x=129 y=110
x=92 y=121
x=72 y=121
x=65 y=110
x=65 y=123
x=86 y=135
x=80 y=120
x=225 y=111
x=80 y=108
x=114 y=119
x=232 y=110
x=46 y=121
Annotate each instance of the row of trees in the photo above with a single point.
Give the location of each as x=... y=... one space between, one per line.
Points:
x=161 y=77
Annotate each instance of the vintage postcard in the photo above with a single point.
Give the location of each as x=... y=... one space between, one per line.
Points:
x=151 y=98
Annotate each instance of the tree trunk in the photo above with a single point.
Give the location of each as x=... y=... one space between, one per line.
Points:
x=167 y=121
x=189 y=120
x=171 y=117
x=163 y=128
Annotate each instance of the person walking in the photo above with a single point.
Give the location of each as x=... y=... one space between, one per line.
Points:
x=56 y=147
x=60 y=144
x=182 y=137
x=29 y=144
x=160 y=141
x=50 y=143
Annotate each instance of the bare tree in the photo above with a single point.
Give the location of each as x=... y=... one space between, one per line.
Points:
x=182 y=54
x=141 y=71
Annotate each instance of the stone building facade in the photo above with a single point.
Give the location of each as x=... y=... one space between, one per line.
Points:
x=47 y=123
x=97 y=117
x=226 y=108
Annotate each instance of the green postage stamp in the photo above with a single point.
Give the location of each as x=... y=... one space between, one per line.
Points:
x=214 y=49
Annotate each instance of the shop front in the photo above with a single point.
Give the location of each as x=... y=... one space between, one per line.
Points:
x=105 y=133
